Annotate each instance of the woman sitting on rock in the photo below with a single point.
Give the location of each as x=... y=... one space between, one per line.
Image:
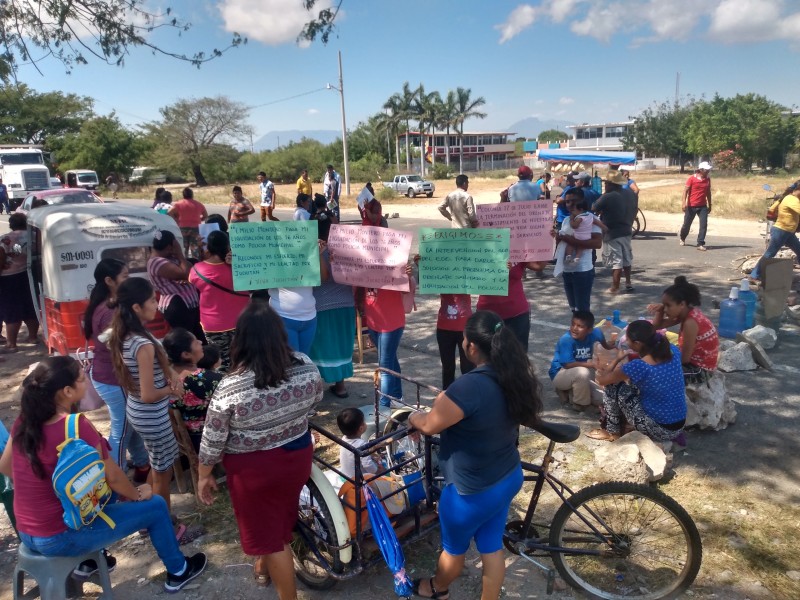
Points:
x=647 y=391
x=698 y=341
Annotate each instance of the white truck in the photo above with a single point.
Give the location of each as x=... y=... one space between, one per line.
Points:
x=23 y=171
x=411 y=185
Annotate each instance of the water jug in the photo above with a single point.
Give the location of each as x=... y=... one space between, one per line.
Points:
x=732 y=314
x=610 y=332
x=749 y=298
x=618 y=322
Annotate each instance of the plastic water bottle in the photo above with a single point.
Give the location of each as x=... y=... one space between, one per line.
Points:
x=610 y=332
x=732 y=313
x=618 y=322
x=749 y=298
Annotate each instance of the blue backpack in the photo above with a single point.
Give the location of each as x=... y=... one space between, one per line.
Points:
x=79 y=479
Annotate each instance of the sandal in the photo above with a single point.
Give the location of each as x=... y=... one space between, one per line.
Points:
x=612 y=290
x=602 y=435
x=189 y=534
x=436 y=595
x=629 y=289
x=262 y=579
x=343 y=394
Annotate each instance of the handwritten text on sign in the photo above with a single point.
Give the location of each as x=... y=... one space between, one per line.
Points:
x=463 y=261
x=372 y=257
x=530 y=224
x=274 y=254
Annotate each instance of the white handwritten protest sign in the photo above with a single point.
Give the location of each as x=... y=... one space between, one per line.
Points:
x=530 y=224
x=373 y=257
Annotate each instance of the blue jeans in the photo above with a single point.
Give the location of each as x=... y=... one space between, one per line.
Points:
x=688 y=218
x=128 y=517
x=387 y=345
x=300 y=333
x=122 y=436
x=778 y=238
x=578 y=287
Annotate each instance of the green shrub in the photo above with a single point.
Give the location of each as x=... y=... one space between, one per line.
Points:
x=386 y=194
x=440 y=171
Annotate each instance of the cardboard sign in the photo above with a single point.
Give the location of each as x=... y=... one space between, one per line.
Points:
x=530 y=224
x=463 y=261
x=274 y=254
x=371 y=257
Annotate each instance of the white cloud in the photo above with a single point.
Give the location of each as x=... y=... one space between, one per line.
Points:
x=564 y=100
x=272 y=22
x=312 y=111
x=650 y=21
x=519 y=20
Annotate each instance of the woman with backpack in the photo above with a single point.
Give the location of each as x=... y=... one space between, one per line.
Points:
x=50 y=394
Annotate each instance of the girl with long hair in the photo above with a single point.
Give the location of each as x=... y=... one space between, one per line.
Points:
x=648 y=391
x=50 y=394
x=185 y=351
x=478 y=419
x=143 y=371
x=108 y=276
x=257 y=425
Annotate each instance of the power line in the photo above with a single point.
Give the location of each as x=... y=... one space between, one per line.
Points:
x=287 y=98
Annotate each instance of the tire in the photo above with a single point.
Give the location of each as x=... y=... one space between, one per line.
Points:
x=429 y=194
x=410 y=193
x=636 y=226
x=650 y=549
x=396 y=450
x=315 y=515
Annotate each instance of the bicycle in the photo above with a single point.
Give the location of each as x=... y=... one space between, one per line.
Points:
x=611 y=540
x=639 y=223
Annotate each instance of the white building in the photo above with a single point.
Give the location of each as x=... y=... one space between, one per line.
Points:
x=600 y=136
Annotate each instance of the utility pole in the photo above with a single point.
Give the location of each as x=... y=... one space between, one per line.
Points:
x=340 y=89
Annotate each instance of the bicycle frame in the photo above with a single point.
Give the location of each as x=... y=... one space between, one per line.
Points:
x=422 y=516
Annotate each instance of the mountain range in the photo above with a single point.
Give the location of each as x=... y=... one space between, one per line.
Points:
x=528 y=128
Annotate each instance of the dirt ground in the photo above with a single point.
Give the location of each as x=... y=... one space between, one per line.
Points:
x=712 y=478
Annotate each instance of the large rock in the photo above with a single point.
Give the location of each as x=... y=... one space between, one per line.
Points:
x=633 y=457
x=738 y=358
x=708 y=405
x=764 y=336
x=724 y=344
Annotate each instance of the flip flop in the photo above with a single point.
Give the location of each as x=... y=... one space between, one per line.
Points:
x=435 y=594
x=602 y=435
x=262 y=579
x=344 y=394
x=180 y=531
x=629 y=289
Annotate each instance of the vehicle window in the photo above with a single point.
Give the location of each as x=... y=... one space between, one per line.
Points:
x=87 y=178
x=415 y=178
x=135 y=257
x=21 y=158
x=74 y=198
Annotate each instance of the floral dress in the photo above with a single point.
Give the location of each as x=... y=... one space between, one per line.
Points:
x=198 y=388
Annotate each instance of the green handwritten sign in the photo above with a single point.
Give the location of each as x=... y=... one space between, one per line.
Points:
x=274 y=254
x=464 y=261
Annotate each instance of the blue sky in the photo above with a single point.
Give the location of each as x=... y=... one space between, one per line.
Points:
x=576 y=60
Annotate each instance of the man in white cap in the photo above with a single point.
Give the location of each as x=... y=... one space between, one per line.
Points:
x=697 y=202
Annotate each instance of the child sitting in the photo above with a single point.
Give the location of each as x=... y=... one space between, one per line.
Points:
x=571 y=369
x=581 y=220
x=352 y=424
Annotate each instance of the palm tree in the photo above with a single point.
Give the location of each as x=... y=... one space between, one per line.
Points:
x=447 y=120
x=402 y=106
x=426 y=111
x=389 y=122
x=466 y=108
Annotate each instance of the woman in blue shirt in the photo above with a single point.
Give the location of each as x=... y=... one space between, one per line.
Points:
x=648 y=391
x=478 y=417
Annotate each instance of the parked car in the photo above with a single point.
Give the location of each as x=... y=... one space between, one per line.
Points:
x=55 y=182
x=411 y=185
x=82 y=178
x=60 y=196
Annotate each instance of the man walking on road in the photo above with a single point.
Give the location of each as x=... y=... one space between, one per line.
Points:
x=331 y=189
x=267 y=190
x=697 y=202
x=617 y=208
x=458 y=207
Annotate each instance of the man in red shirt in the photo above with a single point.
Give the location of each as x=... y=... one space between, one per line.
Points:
x=697 y=201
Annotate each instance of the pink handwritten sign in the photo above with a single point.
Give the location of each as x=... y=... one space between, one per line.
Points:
x=372 y=257
x=530 y=224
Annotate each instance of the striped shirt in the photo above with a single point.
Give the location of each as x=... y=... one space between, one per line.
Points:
x=242 y=418
x=169 y=288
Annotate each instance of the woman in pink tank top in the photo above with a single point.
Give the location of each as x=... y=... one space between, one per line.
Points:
x=189 y=213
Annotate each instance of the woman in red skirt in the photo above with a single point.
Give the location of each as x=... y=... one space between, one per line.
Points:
x=257 y=426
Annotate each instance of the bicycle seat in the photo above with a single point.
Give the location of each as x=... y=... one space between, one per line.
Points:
x=561 y=433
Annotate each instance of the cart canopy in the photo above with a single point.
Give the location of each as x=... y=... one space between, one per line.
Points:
x=573 y=156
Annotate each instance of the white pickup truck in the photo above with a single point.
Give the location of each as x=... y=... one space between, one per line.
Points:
x=411 y=185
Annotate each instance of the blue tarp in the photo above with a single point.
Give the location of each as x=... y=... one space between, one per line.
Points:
x=570 y=156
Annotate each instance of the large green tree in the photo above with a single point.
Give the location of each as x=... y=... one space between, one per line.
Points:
x=102 y=144
x=28 y=117
x=77 y=31
x=659 y=131
x=193 y=131
x=552 y=135
x=750 y=124
x=466 y=108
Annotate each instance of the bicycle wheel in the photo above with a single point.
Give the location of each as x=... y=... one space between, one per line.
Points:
x=636 y=227
x=643 y=221
x=646 y=544
x=315 y=532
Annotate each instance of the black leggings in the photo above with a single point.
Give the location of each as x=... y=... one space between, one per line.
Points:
x=448 y=342
x=178 y=315
x=520 y=326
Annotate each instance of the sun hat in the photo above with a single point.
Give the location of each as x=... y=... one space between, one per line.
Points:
x=705 y=166
x=616 y=177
